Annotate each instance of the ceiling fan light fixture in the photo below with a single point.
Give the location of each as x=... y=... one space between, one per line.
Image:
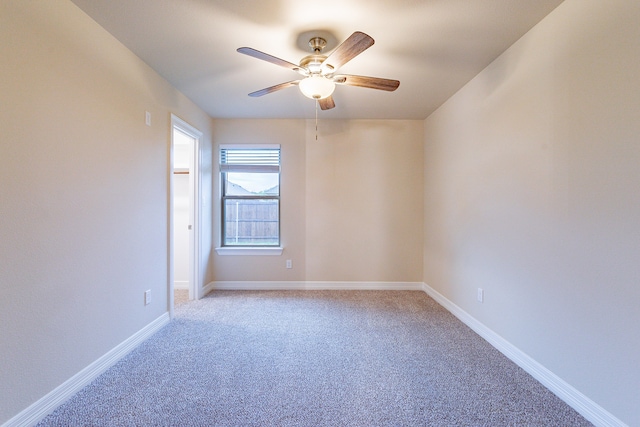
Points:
x=317 y=87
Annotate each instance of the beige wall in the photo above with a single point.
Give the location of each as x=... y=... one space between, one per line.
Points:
x=364 y=201
x=531 y=192
x=351 y=201
x=84 y=195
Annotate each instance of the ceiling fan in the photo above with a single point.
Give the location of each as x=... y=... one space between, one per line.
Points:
x=319 y=70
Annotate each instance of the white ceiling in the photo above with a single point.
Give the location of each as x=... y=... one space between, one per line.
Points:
x=433 y=47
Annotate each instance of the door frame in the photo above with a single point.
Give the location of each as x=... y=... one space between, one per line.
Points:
x=194 y=215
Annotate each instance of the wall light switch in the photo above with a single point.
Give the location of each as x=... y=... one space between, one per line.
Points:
x=289 y=264
x=147 y=118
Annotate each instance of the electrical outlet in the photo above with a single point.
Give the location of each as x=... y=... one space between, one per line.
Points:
x=147 y=118
x=480 y=295
x=289 y=264
x=147 y=297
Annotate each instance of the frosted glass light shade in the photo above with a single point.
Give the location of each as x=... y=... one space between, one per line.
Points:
x=317 y=87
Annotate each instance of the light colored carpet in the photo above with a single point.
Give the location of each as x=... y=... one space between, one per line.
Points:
x=180 y=296
x=315 y=358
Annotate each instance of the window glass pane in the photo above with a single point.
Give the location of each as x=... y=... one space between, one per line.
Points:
x=248 y=184
x=251 y=222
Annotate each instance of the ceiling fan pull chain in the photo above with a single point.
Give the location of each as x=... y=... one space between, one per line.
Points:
x=317 y=102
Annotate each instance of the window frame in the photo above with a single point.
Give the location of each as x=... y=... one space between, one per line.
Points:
x=250 y=248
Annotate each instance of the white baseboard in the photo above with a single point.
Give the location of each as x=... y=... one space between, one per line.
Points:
x=40 y=409
x=307 y=286
x=179 y=284
x=578 y=401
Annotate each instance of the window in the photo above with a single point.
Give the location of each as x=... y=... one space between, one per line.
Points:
x=250 y=196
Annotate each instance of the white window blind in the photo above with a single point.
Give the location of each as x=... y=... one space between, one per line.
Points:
x=249 y=159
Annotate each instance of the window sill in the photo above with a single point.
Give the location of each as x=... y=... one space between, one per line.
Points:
x=249 y=251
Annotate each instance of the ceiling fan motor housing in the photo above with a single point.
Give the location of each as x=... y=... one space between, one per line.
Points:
x=313 y=63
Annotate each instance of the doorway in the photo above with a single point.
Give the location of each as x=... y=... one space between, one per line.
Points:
x=184 y=241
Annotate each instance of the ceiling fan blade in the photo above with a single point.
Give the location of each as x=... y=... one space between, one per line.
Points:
x=357 y=43
x=370 y=82
x=326 y=103
x=270 y=89
x=272 y=59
